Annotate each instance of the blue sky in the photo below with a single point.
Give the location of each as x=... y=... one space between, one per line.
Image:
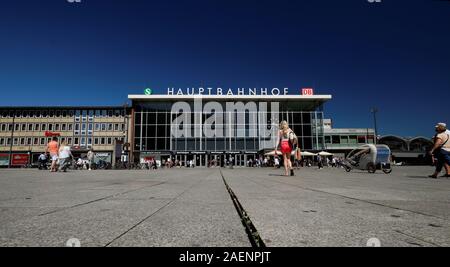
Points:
x=393 y=55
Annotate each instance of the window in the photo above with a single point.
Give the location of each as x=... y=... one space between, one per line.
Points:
x=76 y=141
x=22 y=141
x=3 y=127
x=97 y=127
x=103 y=126
x=16 y=127
x=117 y=113
x=50 y=127
x=58 y=113
x=69 y=141
x=29 y=141
x=84 y=115
x=96 y=141
x=44 y=127
x=30 y=127
x=57 y=127
x=83 y=141
x=102 y=141
x=344 y=139
x=89 y=142
x=335 y=139
x=116 y=127
x=42 y=141
x=104 y=113
x=2 y=142
x=24 y=127
x=64 y=113
x=109 y=141
x=36 y=141
x=98 y=113
x=8 y=141
x=361 y=139
x=10 y=127
x=51 y=114
x=37 y=113
x=110 y=113
x=63 y=127
x=70 y=127
x=37 y=127
x=110 y=126
x=77 y=115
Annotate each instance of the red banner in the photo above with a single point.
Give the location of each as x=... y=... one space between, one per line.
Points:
x=51 y=134
x=20 y=159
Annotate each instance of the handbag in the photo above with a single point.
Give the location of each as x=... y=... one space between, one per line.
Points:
x=298 y=154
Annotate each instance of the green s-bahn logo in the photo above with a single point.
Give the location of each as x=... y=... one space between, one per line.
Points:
x=148 y=91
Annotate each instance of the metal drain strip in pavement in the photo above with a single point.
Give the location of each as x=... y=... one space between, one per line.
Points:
x=252 y=232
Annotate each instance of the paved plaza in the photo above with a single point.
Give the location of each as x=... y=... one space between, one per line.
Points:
x=192 y=207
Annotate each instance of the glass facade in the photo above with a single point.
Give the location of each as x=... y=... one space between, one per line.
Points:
x=158 y=126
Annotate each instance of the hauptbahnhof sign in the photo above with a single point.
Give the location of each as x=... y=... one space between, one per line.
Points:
x=227 y=91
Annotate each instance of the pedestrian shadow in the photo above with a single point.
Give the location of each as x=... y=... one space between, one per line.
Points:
x=271 y=174
x=417 y=177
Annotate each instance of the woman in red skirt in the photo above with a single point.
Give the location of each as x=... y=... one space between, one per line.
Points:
x=285 y=143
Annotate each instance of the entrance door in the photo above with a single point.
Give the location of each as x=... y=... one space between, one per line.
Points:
x=240 y=161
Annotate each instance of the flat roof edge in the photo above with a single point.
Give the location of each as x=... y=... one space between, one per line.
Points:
x=237 y=97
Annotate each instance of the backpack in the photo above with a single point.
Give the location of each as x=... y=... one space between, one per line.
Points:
x=293 y=139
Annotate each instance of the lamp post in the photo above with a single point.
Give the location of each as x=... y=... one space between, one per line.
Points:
x=12 y=139
x=125 y=142
x=125 y=106
x=374 y=110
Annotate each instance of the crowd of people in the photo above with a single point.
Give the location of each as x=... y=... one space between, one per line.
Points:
x=59 y=157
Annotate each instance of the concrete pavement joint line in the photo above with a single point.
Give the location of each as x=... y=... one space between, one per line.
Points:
x=151 y=215
x=58 y=192
x=417 y=238
x=100 y=199
x=362 y=200
x=252 y=232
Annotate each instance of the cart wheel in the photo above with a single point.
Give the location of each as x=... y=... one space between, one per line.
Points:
x=387 y=171
x=348 y=169
x=371 y=168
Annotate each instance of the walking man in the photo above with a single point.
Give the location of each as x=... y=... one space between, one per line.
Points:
x=90 y=157
x=441 y=150
x=65 y=156
x=53 y=149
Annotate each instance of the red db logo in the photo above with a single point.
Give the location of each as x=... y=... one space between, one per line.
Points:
x=307 y=91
